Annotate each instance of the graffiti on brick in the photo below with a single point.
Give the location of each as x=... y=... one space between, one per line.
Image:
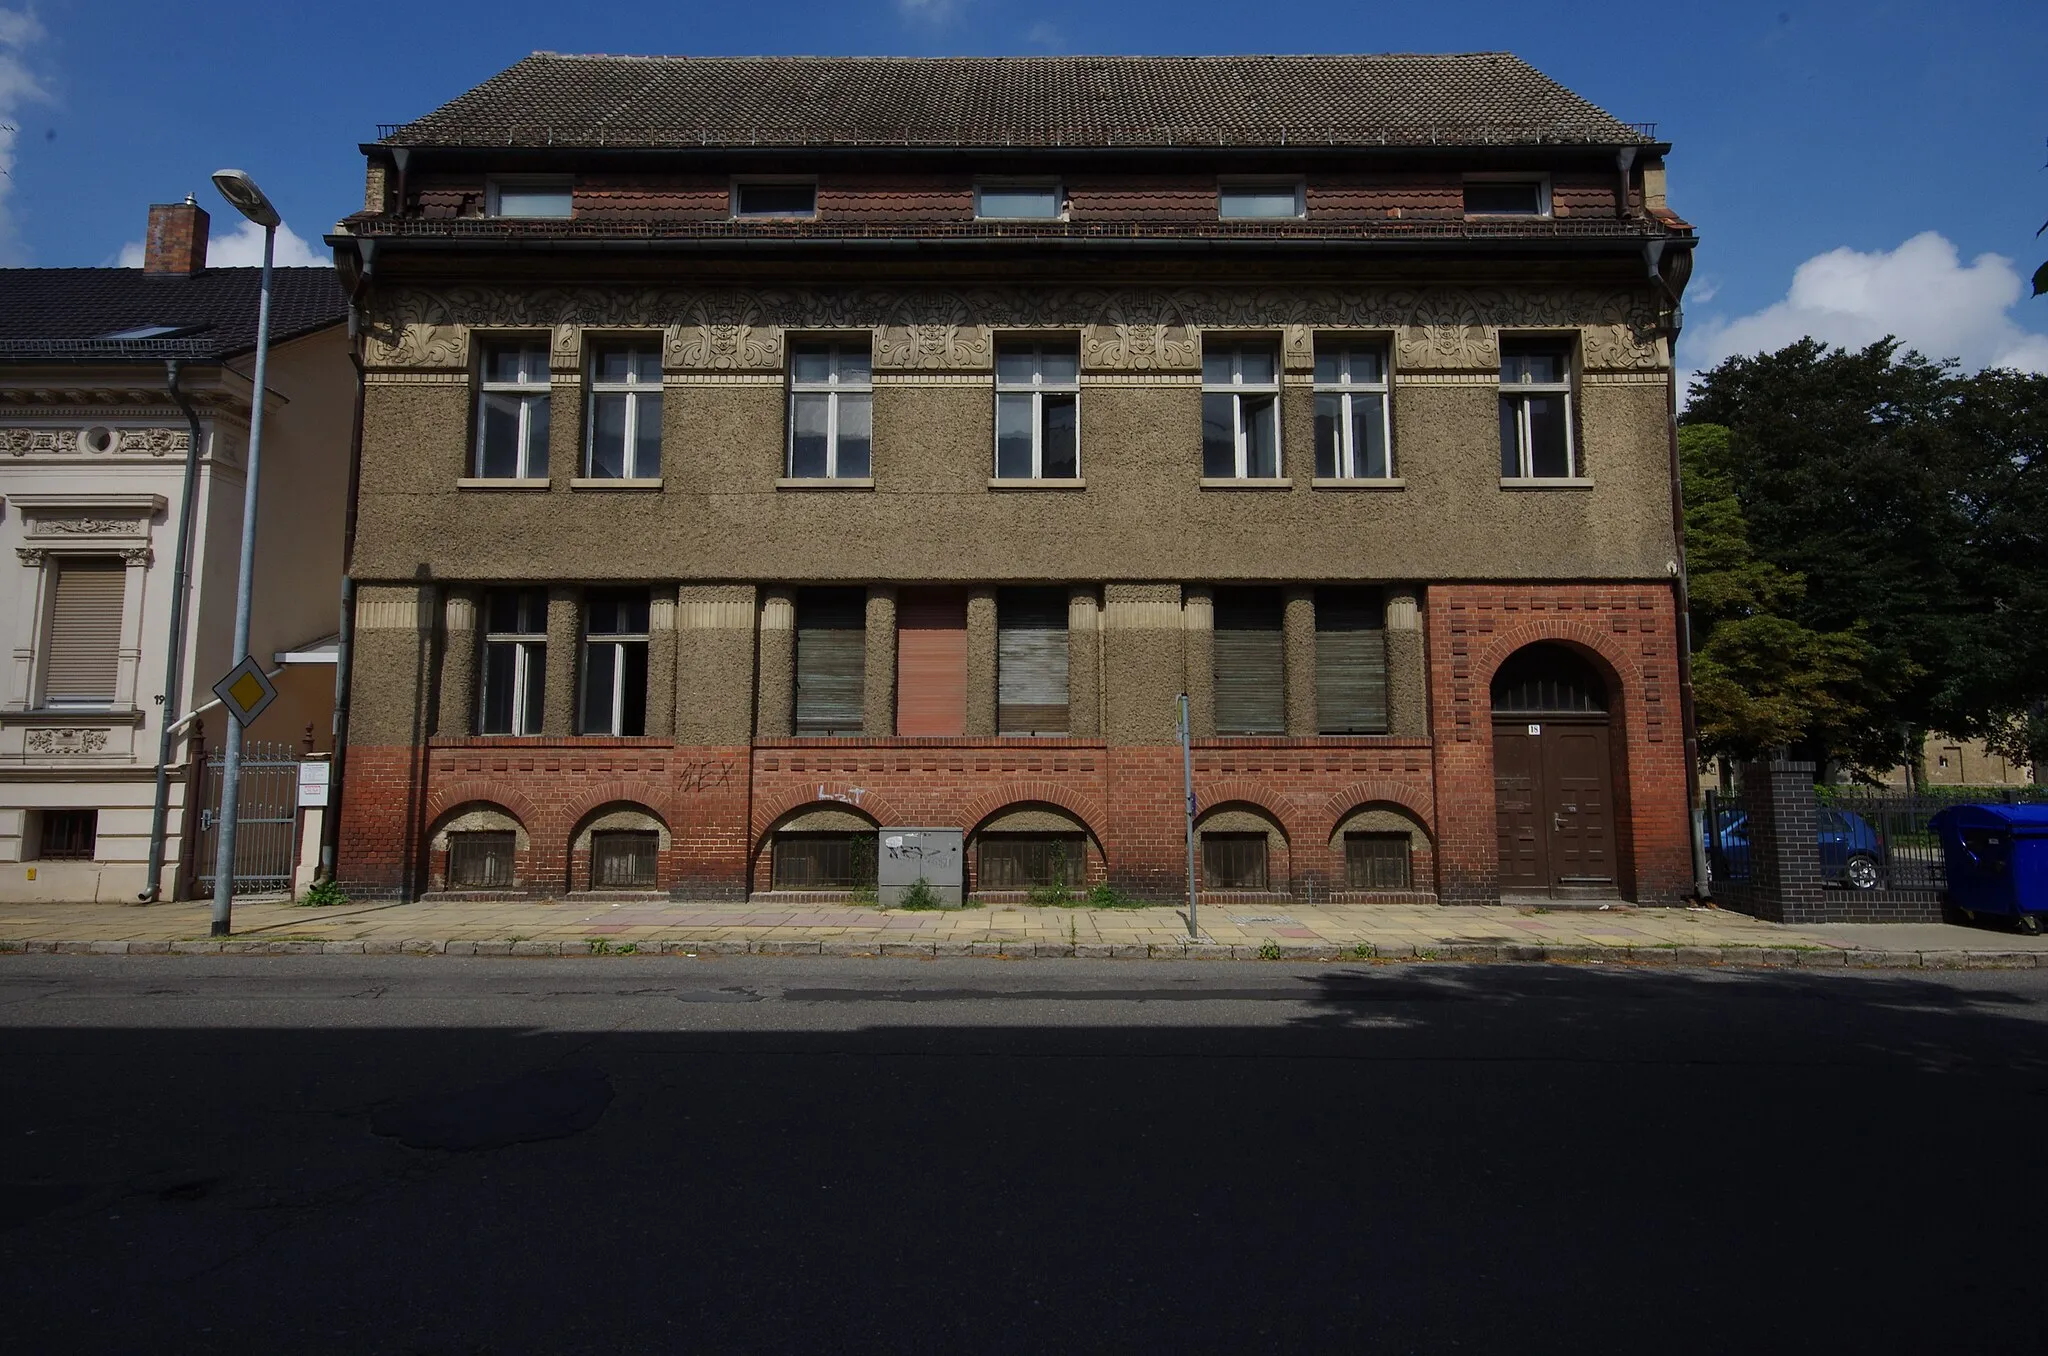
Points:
x=707 y=774
x=850 y=796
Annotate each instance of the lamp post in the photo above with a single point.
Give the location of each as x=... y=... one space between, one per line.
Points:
x=243 y=195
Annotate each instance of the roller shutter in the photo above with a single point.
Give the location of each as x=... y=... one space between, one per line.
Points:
x=831 y=660
x=1250 y=672
x=83 y=653
x=1351 y=661
x=1031 y=661
x=931 y=662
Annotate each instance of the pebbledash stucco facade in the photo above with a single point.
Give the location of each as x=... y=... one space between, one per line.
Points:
x=1338 y=621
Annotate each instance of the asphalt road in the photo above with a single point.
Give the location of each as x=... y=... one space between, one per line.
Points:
x=438 y=1155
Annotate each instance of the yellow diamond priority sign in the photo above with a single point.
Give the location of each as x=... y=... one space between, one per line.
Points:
x=245 y=691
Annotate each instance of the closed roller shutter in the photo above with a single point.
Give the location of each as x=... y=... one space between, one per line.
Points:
x=1250 y=673
x=1351 y=661
x=831 y=660
x=84 y=650
x=1031 y=661
x=931 y=662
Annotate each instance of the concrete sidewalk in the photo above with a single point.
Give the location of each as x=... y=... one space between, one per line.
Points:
x=573 y=927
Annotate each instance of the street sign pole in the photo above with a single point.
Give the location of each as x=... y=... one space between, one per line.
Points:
x=1187 y=780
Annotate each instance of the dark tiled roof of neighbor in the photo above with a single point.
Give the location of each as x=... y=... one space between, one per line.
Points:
x=58 y=312
x=1475 y=99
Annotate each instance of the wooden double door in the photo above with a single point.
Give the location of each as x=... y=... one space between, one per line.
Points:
x=1553 y=788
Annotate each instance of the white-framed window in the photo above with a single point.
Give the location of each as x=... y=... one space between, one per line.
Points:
x=1353 y=434
x=622 y=440
x=831 y=407
x=1261 y=200
x=512 y=411
x=1038 y=400
x=1507 y=195
x=765 y=198
x=515 y=662
x=1536 y=410
x=615 y=662
x=998 y=201
x=81 y=660
x=541 y=196
x=1240 y=411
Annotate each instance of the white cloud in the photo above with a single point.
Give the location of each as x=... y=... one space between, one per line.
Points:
x=242 y=247
x=927 y=11
x=19 y=87
x=1921 y=292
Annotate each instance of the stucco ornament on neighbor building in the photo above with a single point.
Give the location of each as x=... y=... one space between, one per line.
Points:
x=934 y=347
x=64 y=442
x=55 y=739
x=724 y=348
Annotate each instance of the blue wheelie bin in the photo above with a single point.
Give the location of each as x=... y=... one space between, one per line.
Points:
x=1997 y=857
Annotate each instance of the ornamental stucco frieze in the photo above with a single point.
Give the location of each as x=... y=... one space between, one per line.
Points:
x=69 y=442
x=941 y=348
x=61 y=739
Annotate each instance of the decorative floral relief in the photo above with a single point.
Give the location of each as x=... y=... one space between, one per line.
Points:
x=66 y=739
x=1141 y=348
x=156 y=442
x=725 y=348
x=934 y=347
x=85 y=527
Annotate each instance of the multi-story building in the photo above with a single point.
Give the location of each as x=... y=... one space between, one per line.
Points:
x=125 y=398
x=758 y=454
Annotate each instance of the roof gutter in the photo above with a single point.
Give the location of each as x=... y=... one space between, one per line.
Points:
x=174 y=663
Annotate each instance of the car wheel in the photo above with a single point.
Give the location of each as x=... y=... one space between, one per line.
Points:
x=1861 y=872
x=2030 y=923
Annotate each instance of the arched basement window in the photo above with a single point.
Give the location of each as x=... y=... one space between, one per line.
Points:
x=1546 y=679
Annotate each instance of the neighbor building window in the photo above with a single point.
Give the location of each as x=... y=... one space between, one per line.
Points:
x=624 y=437
x=1020 y=861
x=1260 y=201
x=831 y=660
x=515 y=661
x=512 y=412
x=67 y=835
x=481 y=859
x=1241 y=412
x=1351 y=412
x=1506 y=198
x=1249 y=665
x=788 y=198
x=529 y=198
x=1536 y=412
x=1234 y=861
x=1018 y=202
x=1038 y=393
x=82 y=643
x=623 y=859
x=615 y=662
x=831 y=405
x=1376 y=861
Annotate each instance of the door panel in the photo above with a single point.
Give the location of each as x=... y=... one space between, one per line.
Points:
x=1518 y=809
x=1577 y=775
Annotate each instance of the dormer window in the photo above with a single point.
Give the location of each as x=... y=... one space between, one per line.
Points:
x=529 y=197
x=1262 y=200
x=768 y=198
x=1018 y=202
x=1512 y=196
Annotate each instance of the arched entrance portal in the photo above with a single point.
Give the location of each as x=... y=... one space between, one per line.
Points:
x=1553 y=776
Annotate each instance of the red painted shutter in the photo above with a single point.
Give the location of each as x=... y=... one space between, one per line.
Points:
x=931 y=662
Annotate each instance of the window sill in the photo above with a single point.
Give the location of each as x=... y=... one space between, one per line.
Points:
x=1039 y=483
x=501 y=483
x=1357 y=483
x=615 y=483
x=73 y=715
x=1545 y=483
x=821 y=483
x=1247 y=483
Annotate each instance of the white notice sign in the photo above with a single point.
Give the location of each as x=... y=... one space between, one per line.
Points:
x=313 y=782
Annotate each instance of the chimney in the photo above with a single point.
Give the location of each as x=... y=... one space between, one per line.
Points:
x=176 y=246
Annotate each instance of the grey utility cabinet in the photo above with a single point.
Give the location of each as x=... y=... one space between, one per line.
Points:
x=937 y=856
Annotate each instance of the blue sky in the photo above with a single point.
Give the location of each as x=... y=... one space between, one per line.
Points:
x=1848 y=165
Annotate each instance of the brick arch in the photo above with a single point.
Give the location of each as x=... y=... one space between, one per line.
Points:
x=1049 y=793
x=645 y=795
x=455 y=794
x=1208 y=797
x=1339 y=806
x=1622 y=669
x=871 y=804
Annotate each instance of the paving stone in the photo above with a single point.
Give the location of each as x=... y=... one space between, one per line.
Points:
x=1525 y=951
x=1130 y=950
x=1052 y=949
x=847 y=946
x=300 y=948
x=1468 y=951
x=1866 y=959
x=492 y=949
x=536 y=948
x=1207 y=951
x=1822 y=958
x=107 y=948
x=922 y=950
x=1093 y=951
x=75 y=948
x=459 y=949
x=1696 y=955
x=1770 y=955
x=784 y=947
x=953 y=947
x=343 y=948
x=383 y=946
x=1580 y=955
x=425 y=946
x=10 y=946
x=984 y=948
x=204 y=948
x=35 y=947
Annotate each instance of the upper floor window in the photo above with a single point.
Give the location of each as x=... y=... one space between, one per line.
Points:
x=1261 y=201
x=82 y=646
x=615 y=662
x=1018 y=202
x=831 y=660
x=528 y=197
x=1038 y=393
x=1351 y=412
x=1524 y=196
x=1241 y=412
x=775 y=198
x=831 y=398
x=623 y=441
x=1536 y=411
x=515 y=661
x=512 y=412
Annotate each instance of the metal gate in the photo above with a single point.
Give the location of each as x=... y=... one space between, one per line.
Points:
x=266 y=838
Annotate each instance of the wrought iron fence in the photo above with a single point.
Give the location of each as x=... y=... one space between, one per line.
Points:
x=267 y=819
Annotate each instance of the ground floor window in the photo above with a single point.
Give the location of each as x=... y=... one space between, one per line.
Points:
x=1021 y=861
x=68 y=835
x=1234 y=861
x=823 y=861
x=1376 y=861
x=623 y=858
x=480 y=860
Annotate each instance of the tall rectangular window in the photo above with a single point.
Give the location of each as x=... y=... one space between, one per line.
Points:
x=82 y=645
x=1038 y=394
x=515 y=661
x=1351 y=661
x=1351 y=412
x=831 y=660
x=1267 y=201
x=1031 y=661
x=1536 y=411
x=831 y=398
x=1240 y=412
x=615 y=662
x=931 y=662
x=1250 y=668
x=512 y=412
x=623 y=440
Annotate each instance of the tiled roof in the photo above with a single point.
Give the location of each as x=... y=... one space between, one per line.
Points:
x=1476 y=99
x=71 y=311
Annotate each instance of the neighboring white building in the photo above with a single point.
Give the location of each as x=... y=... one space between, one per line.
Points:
x=93 y=456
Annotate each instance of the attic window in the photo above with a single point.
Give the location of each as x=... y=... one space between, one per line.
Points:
x=1270 y=200
x=529 y=198
x=1522 y=197
x=151 y=332
x=770 y=199
x=1017 y=202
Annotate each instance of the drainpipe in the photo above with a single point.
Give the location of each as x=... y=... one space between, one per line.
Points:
x=345 y=637
x=173 y=665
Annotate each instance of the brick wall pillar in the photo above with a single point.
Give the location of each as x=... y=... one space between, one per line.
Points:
x=1785 y=881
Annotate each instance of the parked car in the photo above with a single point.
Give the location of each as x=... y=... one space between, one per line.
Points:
x=1851 y=852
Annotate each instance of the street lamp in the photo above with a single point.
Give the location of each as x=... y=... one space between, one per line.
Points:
x=243 y=195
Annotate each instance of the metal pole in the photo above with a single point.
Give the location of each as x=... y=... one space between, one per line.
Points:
x=231 y=767
x=1187 y=778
